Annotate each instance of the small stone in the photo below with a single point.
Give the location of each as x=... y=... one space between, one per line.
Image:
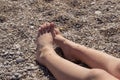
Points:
x=6 y=63
x=31 y=65
x=5 y=53
x=35 y=67
x=32 y=27
x=32 y=1
x=21 y=71
x=22 y=24
x=1 y=65
x=11 y=53
x=90 y=38
x=13 y=78
x=112 y=6
x=20 y=59
x=17 y=46
x=98 y=12
x=93 y=3
x=31 y=23
x=29 y=68
x=40 y=19
x=19 y=53
x=2 y=19
x=16 y=76
x=10 y=34
x=3 y=50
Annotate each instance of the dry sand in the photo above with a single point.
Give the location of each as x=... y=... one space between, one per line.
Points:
x=94 y=23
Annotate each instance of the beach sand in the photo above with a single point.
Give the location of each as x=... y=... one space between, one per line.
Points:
x=93 y=23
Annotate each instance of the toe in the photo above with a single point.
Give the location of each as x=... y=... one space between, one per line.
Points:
x=57 y=31
x=39 y=31
x=47 y=27
x=39 y=28
x=52 y=25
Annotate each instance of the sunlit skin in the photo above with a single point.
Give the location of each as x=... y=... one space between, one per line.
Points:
x=104 y=66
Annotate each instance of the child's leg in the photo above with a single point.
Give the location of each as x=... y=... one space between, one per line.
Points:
x=93 y=58
x=63 y=69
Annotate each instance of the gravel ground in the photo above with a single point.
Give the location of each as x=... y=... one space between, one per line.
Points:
x=94 y=23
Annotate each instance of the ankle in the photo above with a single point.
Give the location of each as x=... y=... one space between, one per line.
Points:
x=43 y=54
x=45 y=51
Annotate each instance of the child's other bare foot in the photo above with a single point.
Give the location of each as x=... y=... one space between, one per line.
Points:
x=63 y=43
x=44 y=42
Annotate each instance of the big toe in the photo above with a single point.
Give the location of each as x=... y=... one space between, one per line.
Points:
x=53 y=29
x=57 y=31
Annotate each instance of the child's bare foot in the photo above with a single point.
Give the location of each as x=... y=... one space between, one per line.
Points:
x=63 y=43
x=44 y=42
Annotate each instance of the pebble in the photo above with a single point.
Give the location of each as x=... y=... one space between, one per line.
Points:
x=17 y=46
x=40 y=19
x=32 y=27
x=30 y=67
x=20 y=59
x=11 y=53
x=31 y=23
x=112 y=6
x=3 y=50
x=6 y=63
x=32 y=1
x=93 y=3
x=22 y=24
x=19 y=53
x=21 y=71
x=1 y=65
x=16 y=76
x=5 y=53
x=98 y=12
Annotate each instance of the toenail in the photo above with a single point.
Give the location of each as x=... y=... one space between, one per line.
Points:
x=39 y=28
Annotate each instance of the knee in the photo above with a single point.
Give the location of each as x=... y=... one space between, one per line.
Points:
x=98 y=74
